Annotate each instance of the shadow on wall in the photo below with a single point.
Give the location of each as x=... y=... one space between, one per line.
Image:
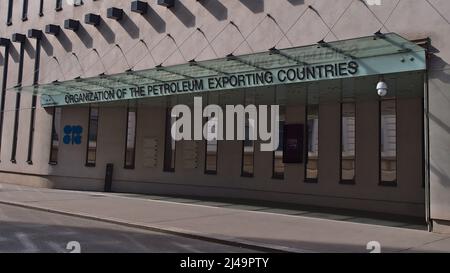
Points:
x=439 y=71
x=64 y=41
x=14 y=53
x=155 y=20
x=443 y=178
x=215 y=7
x=84 y=36
x=439 y=123
x=129 y=26
x=255 y=6
x=47 y=46
x=106 y=31
x=219 y=11
x=29 y=49
x=183 y=14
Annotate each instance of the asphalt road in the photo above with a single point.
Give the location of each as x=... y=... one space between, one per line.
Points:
x=27 y=230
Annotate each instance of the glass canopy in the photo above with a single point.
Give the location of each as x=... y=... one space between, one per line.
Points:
x=320 y=53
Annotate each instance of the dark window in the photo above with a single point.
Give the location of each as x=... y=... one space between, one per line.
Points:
x=58 y=6
x=55 y=137
x=130 y=144
x=348 y=119
x=248 y=150
x=312 y=143
x=33 y=102
x=170 y=143
x=41 y=8
x=25 y=10
x=211 y=147
x=17 y=106
x=388 y=142
x=278 y=165
x=10 y=12
x=91 y=151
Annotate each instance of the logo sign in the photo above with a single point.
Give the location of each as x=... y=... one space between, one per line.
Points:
x=72 y=134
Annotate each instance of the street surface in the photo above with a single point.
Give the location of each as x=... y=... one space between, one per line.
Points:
x=27 y=230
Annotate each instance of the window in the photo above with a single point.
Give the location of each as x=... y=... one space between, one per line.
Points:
x=278 y=165
x=91 y=152
x=55 y=137
x=17 y=106
x=41 y=8
x=312 y=143
x=388 y=143
x=58 y=5
x=25 y=10
x=348 y=118
x=3 y=94
x=248 y=150
x=10 y=12
x=170 y=144
x=211 y=146
x=130 y=146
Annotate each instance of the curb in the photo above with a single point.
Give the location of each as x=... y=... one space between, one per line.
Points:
x=224 y=240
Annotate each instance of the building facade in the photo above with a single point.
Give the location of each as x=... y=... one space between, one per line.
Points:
x=89 y=84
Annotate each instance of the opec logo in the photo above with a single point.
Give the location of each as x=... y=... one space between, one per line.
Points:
x=72 y=134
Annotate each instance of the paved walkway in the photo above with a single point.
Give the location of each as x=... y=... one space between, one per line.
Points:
x=261 y=230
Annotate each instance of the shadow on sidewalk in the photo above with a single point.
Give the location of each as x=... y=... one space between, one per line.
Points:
x=338 y=214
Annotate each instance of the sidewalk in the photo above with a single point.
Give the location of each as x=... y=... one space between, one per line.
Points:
x=259 y=230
